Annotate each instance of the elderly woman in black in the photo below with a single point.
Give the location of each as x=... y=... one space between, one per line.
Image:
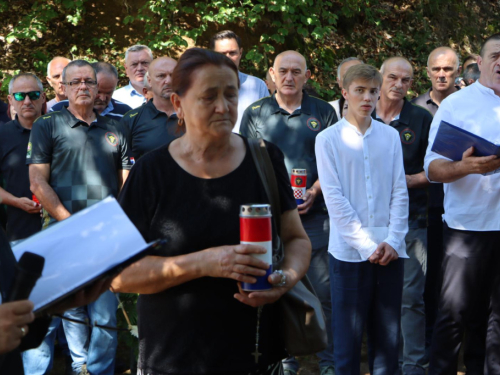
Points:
x=193 y=316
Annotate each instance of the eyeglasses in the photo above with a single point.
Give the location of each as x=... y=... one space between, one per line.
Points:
x=20 y=96
x=88 y=83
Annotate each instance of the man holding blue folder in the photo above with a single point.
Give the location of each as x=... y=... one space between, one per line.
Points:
x=471 y=279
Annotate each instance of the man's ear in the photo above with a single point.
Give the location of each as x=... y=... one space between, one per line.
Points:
x=344 y=93
x=308 y=74
x=271 y=72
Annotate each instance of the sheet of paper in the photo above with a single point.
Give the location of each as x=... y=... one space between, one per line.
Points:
x=80 y=248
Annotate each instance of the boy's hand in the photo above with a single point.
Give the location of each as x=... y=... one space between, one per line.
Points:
x=388 y=254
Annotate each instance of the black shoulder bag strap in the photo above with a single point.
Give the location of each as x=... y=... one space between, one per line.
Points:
x=265 y=170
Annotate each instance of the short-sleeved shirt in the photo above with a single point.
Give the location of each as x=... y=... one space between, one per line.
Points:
x=295 y=133
x=425 y=101
x=198 y=327
x=84 y=160
x=115 y=109
x=413 y=125
x=13 y=143
x=148 y=128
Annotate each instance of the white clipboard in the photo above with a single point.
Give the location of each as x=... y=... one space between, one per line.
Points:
x=93 y=243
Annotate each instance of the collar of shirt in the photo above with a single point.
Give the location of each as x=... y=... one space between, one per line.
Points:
x=72 y=121
x=153 y=111
x=131 y=91
x=305 y=106
x=484 y=89
x=19 y=126
x=402 y=117
x=367 y=132
x=108 y=109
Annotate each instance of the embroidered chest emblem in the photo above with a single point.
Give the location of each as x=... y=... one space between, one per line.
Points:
x=313 y=124
x=111 y=138
x=407 y=136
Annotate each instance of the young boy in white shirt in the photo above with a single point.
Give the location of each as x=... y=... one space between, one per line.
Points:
x=360 y=166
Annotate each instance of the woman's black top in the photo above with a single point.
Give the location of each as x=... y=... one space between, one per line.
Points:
x=199 y=327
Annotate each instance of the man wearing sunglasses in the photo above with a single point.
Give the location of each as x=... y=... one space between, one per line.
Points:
x=26 y=96
x=76 y=158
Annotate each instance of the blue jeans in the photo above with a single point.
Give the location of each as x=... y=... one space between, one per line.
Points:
x=97 y=346
x=413 y=309
x=317 y=227
x=39 y=361
x=366 y=294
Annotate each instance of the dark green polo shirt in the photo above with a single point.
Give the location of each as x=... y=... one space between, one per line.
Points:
x=294 y=133
x=84 y=160
x=13 y=142
x=413 y=126
x=148 y=128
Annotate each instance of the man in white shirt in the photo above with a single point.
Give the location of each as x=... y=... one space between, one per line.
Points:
x=251 y=88
x=470 y=292
x=343 y=67
x=137 y=60
x=360 y=166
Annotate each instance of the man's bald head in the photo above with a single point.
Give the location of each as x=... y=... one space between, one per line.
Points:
x=290 y=54
x=160 y=77
x=290 y=73
x=397 y=60
x=54 y=75
x=443 y=68
x=440 y=51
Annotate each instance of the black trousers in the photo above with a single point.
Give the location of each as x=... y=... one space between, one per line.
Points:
x=470 y=296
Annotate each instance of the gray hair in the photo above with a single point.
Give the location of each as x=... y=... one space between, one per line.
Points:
x=441 y=50
x=343 y=62
x=79 y=64
x=396 y=58
x=138 y=48
x=471 y=73
x=145 y=81
x=38 y=82
x=104 y=67
x=51 y=61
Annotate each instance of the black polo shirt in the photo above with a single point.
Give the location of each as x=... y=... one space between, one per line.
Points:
x=295 y=133
x=148 y=128
x=13 y=169
x=413 y=126
x=84 y=160
x=4 y=118
x=436 y=193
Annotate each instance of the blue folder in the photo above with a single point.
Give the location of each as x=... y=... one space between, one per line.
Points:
x=452 y=141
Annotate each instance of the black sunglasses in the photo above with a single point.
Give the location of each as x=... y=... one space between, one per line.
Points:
x=33 y=95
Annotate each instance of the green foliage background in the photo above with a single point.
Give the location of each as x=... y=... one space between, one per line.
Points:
x=325 y=31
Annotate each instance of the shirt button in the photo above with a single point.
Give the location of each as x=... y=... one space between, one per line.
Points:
x=371 y=216
x=370 y=197
x=366 y=157
x=367 y=177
